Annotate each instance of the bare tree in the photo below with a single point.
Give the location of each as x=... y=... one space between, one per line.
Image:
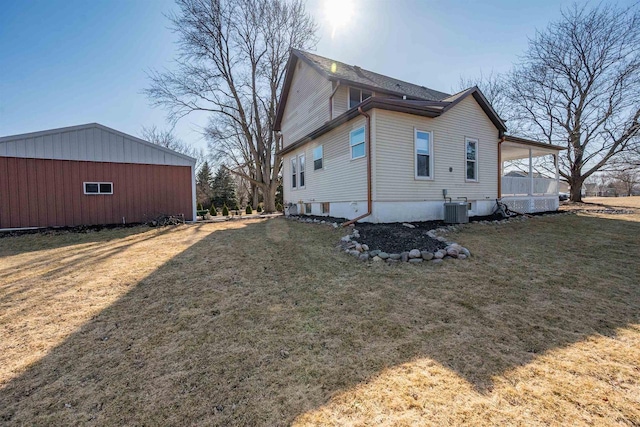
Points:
x=494 y=87
x=167 y=139
x=578 y=86
x=232 y=60
x=625 y=181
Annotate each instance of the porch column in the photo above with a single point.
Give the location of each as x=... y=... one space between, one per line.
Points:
x=530 y=173
x=555 y=161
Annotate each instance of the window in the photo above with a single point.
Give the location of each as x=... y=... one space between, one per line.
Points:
x=325 y=207
x=98 y=188
x=307 y=208
x=301 y=169
x=356 y=96
x=317 y=158
x=356 y=141
x=294 y=174
x=424 y=155
x=472 y=159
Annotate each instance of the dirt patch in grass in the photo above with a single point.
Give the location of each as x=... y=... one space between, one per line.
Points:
x=264 y=323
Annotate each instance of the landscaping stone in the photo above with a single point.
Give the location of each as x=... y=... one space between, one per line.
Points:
x=465 y=252
x=415 y=260
x=345 y=238
x=414 y=253
x=426 y=255
x=462 y=256
x=365 y=247
x=375 y=252
x=404 y=256
x=383 y=255
x=452 y=252
x=392 y=261
x=436 y=261
x=364 y=257
x=377 y=259
x=438 y=255
x=354 y=253
x=335 y=225
x=394 y=257
x=358 y=247
x=406 y=224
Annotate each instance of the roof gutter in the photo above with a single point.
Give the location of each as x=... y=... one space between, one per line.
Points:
x=369 y=197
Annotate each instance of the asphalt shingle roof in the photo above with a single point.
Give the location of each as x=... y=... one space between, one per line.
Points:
x=357 y=75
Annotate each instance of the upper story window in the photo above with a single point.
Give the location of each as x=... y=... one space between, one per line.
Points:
x=356 y=96
x=98 y=188
x=317 y=158
x=472 y=159
x=294 y=172
x=356 y=141
x=424 y=154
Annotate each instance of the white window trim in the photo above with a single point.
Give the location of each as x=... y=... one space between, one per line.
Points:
x=415 y=156
x=349 y=96
x=476 y=165
x=302 y=187
x=84 y=187
x=294 y=181
x=363 y=143
x=314 y=157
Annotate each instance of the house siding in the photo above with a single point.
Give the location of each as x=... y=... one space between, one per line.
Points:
x=394 y=155
x=307 y=106
x=340 y=180
x=340 y=100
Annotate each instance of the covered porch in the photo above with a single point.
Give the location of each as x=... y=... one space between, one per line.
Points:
x=527 y=192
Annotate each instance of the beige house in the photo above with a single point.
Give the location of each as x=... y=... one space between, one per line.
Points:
x=360 y=145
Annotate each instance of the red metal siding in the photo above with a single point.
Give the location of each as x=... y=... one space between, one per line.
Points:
x=48 y=193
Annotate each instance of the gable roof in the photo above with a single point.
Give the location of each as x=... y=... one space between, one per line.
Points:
x=419 y=108
x=422 y=100
x=43 y=145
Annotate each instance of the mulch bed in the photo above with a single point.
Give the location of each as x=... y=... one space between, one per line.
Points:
x=397 y=238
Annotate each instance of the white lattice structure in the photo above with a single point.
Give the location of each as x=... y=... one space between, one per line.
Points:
x=528 y=194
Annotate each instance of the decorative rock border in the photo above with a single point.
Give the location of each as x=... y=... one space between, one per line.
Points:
x=415 y=256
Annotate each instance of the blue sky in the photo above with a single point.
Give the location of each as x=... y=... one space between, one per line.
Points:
x=70 y=62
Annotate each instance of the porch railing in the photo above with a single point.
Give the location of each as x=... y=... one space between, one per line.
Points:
x=521 y=186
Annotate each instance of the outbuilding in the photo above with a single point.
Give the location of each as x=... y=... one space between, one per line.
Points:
x=91 y=175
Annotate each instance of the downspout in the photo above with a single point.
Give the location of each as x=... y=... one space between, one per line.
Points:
x=500 y=141
x=331 y=100
x=369 y=198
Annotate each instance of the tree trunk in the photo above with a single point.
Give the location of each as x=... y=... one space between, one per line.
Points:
x=255 y=196
x=576 y=189
x=269 y=196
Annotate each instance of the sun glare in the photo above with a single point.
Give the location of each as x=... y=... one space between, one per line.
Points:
x=338 y=13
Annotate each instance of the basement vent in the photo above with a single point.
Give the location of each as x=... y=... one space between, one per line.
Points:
x=456 y=212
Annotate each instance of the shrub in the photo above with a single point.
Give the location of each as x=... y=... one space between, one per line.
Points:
x=225 y=210
x=213 y=211
x=248 y=210
x=199 y=207
x=236 y=207
x=259 y=209
x=279 y=207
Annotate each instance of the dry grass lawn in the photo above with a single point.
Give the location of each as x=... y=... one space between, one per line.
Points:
x=263 y=322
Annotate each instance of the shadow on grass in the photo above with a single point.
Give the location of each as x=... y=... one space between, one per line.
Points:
x=258 y=325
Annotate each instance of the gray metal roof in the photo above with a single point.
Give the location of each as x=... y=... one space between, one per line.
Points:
x=360 y=76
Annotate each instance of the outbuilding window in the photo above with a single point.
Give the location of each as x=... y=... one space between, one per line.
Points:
x=424 y=154
x=472 y=159
x=98 y=188
x=356 y=141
